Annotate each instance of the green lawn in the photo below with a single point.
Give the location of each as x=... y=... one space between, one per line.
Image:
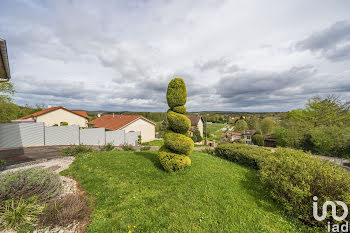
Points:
x=154 y=143
x=214 y=195
x=214 y=131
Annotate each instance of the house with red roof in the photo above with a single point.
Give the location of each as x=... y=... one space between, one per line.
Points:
x=56 y=116
x=129 y=123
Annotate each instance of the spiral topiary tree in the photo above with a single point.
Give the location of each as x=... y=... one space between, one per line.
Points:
x=178 y=145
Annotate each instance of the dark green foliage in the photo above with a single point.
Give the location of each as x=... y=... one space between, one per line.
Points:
x=294 y=178
x=196 y=136
x=19 y=214
x=180 y=109
x=42 y=183
x=258 y=139
x=127 y=147
x=107 y=147
x=172 y=161
x=178 y=143
x=176 y=94
x=139 y=139
x=243 y=154
x=74 y=150
x=178 y=123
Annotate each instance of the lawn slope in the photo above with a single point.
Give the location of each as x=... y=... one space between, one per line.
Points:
x=214 y=195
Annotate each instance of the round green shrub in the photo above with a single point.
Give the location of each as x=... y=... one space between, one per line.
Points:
x=180 y=109
x=171 y=161
x=178 y=123
x=176 y=94
x=178 y=143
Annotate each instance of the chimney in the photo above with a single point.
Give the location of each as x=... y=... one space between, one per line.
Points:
x=120 y=116
x=113 y=115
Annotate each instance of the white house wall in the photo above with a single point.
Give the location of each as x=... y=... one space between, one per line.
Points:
x=148 y=130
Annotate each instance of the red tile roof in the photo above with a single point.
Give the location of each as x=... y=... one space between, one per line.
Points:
x=194 y=119
x=117 y=122
x=81 y=113
x=42 y=112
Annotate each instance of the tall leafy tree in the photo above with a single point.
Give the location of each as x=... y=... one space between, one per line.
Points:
x=267 y=125
x=8 y=110
x=241 y=126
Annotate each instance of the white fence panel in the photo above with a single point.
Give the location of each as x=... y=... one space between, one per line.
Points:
x=131 y=138
x=21 y=134
x=117 y=137
x=62 y=135
x=95 y=136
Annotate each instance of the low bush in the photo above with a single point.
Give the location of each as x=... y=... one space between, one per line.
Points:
x=62 y=212
x=107 y=147
x=294 y=178
x=127 y=147
x=16 y=214
x=74 y=150
x=145 y=148
x=42 y=183
x=171 y=161
x=243 y=154
x=2 y=163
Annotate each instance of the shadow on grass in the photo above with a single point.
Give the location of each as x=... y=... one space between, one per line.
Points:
x=151 y=157
x=253 y=187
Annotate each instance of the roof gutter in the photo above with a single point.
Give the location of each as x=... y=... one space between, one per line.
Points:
x=5 y=61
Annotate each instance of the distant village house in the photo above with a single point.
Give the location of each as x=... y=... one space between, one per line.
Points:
x=196 y=122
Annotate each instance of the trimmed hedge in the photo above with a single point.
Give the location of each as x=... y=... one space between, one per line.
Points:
x=294 y=178
x=171 y=161
x=176 y=94
x=178 y=143
x=180 y=109
x=243 y=154
x=178 y=123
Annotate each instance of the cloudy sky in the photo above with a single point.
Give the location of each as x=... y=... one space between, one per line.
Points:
x=248 y=55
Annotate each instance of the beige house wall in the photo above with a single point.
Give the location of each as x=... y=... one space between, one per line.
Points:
x=148 y=130
x=200 y=127
x=60 y=115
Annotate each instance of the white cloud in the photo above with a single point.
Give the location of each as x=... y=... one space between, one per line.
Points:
x=120 y=55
